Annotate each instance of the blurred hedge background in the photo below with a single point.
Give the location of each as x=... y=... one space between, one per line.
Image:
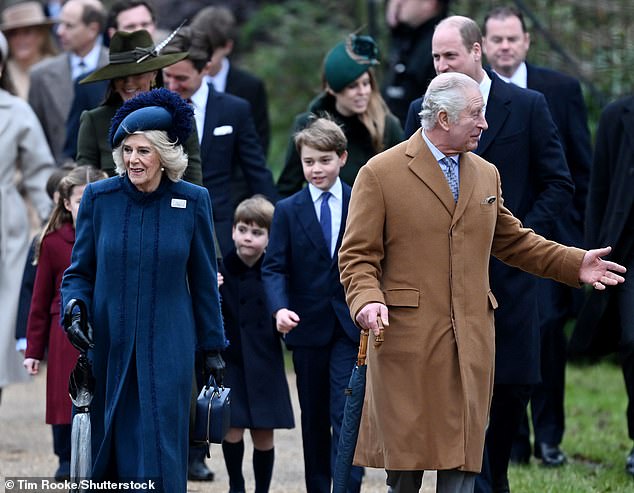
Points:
x=284 y=42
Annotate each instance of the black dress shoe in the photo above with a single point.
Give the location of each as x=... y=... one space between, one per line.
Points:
x=520 y=453
x=63 y=472
x=198 y=471
x=629 y=463
x=551 y=455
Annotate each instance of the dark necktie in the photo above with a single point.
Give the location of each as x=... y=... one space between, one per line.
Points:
x=325 y=218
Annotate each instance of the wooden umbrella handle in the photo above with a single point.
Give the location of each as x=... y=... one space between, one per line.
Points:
x=363 y=342
x=378 y=340
x=363 y=347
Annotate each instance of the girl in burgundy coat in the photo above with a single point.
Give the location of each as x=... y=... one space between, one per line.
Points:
x=52 y=257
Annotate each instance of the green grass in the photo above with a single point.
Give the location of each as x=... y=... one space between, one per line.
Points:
x=596 y=439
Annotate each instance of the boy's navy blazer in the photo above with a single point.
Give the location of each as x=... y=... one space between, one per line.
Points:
x=299 y=273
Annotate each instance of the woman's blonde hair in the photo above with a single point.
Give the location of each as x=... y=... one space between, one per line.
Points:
x=375 y=115
x=171 y=155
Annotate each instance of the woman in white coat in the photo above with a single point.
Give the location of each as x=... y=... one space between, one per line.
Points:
x=26 y=164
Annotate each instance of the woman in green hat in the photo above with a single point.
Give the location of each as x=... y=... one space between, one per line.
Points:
x=132 y=70
x=351 y=96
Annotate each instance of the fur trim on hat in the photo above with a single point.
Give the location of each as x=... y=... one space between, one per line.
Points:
x=181 y=122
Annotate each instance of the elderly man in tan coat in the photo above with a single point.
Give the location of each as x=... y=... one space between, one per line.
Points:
x=418 y=239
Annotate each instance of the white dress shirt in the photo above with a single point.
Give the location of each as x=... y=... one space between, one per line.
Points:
x=220 y=79
x=199 y=104
x=485 y=87
x=90 y=61
x=519 y=78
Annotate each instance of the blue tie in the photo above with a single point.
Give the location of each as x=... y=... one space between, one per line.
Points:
x=452 y=176
x=325 y=220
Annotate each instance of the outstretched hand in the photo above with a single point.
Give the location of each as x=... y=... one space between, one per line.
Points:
x=598 y=272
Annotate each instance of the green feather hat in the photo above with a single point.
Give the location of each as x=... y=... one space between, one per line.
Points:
x=133 y=54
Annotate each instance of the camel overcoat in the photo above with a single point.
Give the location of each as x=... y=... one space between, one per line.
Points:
x=409 y=246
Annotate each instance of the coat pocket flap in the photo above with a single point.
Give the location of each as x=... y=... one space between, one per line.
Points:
x=402 y=297
x=492 y=300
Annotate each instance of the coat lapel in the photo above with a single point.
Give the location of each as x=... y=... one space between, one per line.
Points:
x=497 y=111
x=425 y=167
x=59 y=80
x=211 y=120
x=628 y=122
x=533 y=78
x=103 y=57
x=308 y=219
x=344 y=215
x=468 y=178
x=628 y=177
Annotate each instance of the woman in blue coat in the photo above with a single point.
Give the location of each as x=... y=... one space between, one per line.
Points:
x=145 y=265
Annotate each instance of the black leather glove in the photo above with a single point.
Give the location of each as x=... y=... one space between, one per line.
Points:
x=78 y=329
x=215 y=366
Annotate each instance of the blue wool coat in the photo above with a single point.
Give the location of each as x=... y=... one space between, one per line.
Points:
x=145 y=265
x=255 y=363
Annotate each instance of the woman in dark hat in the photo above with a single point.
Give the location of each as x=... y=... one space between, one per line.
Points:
x=350 y=96
x=145 y=266
x=134 y=65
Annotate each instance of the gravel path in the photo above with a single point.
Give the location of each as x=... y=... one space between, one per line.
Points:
x=26 y=447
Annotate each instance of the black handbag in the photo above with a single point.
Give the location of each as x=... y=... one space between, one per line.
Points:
x=213 y=414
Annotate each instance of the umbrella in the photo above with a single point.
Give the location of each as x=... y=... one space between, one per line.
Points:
x=355 y=392
x=81 y=386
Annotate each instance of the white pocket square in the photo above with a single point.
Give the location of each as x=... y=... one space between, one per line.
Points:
x=223 y=130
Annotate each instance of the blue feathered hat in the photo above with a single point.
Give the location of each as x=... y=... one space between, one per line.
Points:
x=158 y=109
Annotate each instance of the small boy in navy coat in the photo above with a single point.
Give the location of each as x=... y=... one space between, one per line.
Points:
x=306 y=298
x=260 y=399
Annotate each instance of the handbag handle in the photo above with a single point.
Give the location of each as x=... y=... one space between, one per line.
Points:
x=212 y=383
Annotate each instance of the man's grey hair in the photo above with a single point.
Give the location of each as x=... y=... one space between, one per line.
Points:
x=446 y=92
x=172 y=156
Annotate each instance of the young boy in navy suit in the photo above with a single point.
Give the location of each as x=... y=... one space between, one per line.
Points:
x=301 y=279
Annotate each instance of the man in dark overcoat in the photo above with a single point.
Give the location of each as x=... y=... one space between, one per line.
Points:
x=506 y=43
x=606 y=321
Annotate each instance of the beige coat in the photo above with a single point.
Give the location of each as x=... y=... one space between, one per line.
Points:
x=409 y=246
x=26 y=162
